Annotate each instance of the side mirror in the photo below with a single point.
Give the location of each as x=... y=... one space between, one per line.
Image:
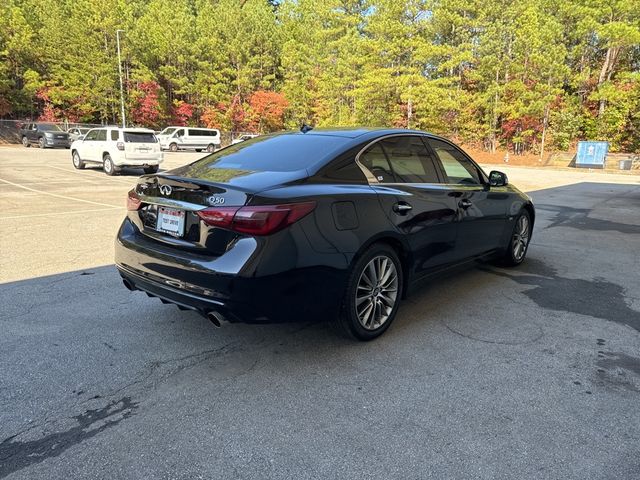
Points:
x=498 y=179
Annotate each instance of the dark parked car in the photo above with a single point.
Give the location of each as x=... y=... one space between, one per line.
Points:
x=335 y=223
x=45 y=135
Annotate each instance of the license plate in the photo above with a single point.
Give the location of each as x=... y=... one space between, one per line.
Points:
x=143 y=149
x=170 y=221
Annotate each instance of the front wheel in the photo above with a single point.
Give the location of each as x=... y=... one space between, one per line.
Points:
x=373 y=294
x=108 y=166
x=25 y=142
x=41 y=142
x=77 y=161
x=519 y=241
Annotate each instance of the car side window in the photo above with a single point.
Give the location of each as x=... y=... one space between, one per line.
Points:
x=115 y=135
x=456 y=165
x=101 y=135
x=91 y=135
x=410 y=160
x=374 y=160
x=180 y=133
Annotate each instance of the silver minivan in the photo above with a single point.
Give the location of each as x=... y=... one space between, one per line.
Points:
x=189 y=138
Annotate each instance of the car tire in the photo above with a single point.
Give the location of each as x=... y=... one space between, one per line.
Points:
x=198 y=150
x=41 y=143
x=77 y=161
x=211 y=148
x=173 y=147
x=518 y=241
x=108 y=166
x=151 y=169
x=25 y=142
x=373 y=294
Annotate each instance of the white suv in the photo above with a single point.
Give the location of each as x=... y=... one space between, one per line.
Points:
x=115 y=148
x=187 y=138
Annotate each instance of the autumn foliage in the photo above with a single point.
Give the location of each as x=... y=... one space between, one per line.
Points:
x=146 y=106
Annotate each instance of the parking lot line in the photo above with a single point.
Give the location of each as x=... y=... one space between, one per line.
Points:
x=73 y=212
x=93 y=177
x=58 y=196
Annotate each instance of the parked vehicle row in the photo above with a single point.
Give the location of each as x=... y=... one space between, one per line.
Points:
x=334 y=224
x=115 y=148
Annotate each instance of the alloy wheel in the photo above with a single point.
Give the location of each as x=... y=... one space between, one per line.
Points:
x=377 y=292
x=520 y=238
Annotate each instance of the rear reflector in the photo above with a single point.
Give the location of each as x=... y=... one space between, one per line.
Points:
x=133 y=201
x=256 y=220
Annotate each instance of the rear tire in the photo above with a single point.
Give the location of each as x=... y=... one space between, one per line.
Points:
x=372 y=296
x=211 y=148
x=25 y=142
x=518 y=242
x=108 y=166
x=152 y=169
x=77 y=161
x=173 y=147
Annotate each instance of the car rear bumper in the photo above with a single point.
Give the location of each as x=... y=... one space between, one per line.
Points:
x=230 y=284
x=138 y=161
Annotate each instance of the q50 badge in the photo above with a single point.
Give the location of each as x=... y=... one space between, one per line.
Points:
x=215 y=200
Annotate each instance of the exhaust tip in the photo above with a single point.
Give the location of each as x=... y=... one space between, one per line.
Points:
x=216 y=318
x=128 y=284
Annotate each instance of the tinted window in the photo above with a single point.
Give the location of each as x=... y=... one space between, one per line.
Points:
x=49 y=127
x=376 y=162
x=167 y=131
x=91 y=135
x=115 y=135
x=101 y=135
x=180 y=133
x=410 y=160
x=280 y=153
x=139 y=137
x=456 y=165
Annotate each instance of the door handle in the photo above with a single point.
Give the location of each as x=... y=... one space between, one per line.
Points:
x=402 y=208
x=464 y=203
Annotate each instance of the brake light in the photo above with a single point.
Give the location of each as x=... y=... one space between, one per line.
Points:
x=120 y=145
x=133 y=200
x=256 y=220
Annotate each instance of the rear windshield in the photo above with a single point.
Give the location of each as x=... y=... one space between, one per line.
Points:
x=280 y=153
x=139 y=137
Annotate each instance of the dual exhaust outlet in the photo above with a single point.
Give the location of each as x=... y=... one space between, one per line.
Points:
x=216 y=318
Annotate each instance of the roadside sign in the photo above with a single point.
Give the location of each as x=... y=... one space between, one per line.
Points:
x=591 y=154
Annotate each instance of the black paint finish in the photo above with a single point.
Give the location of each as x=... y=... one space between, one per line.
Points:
x=301 y=271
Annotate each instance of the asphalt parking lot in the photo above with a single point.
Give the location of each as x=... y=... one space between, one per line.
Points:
x=489 y=373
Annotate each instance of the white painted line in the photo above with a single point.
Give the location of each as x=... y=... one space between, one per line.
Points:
x=112 y=209
x=58 y=196
x=95 y=177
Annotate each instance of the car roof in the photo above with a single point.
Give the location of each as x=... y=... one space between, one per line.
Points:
x=355 y=132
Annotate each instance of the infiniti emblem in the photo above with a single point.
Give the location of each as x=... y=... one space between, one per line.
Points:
x=165 y=189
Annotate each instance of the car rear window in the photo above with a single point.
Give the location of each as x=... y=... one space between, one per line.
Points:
x=139 y=137
x=280 y=153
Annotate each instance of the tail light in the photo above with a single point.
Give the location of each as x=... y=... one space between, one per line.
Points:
x=256 y=220
x=133 y=200
x=120 y=145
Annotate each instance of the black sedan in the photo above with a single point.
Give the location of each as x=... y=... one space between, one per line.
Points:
x=337 y=224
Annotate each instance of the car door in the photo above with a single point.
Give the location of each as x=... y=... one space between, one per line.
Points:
x=409 y=187
x=32 y=134
x=86 y=149
x=180 y=137
x=482 y=211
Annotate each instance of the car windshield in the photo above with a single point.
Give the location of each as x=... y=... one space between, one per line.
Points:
x=280 y=153
x=49 y=127
x=168 y=131
x=139 y=137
